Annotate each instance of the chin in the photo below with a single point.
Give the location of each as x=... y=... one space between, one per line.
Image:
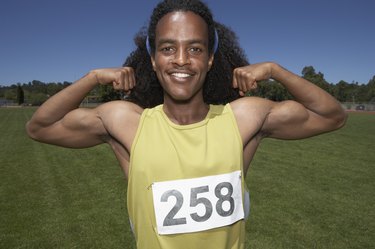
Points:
x=180 y=97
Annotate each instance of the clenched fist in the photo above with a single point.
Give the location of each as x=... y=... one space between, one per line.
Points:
x=246 y=78
x=122 y=78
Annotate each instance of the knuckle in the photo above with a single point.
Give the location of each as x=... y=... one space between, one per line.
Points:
x=249 y=75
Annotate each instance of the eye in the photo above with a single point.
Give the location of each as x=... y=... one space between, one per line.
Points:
x=195 y=50
x=167 y=50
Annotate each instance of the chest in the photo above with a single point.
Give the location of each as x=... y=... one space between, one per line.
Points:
x=165 y=152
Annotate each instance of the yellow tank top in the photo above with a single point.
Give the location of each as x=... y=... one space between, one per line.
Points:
x=164 y=151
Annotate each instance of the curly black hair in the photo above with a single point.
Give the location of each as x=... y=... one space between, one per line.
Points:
x=217 y=88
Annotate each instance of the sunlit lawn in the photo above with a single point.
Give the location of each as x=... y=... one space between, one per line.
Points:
x=313 y=193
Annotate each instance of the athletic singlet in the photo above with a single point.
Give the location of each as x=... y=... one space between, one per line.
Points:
x=186 y=183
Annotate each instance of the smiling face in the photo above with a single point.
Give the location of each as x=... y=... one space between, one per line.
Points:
x=182 y=59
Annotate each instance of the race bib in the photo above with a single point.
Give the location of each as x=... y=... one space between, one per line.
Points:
x=198 y=204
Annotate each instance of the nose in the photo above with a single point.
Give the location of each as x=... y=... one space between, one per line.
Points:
x=181 y=57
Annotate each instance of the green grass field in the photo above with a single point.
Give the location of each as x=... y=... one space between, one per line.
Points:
x=313 y=193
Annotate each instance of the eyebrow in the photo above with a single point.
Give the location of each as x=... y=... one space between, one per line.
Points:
x=173 y=41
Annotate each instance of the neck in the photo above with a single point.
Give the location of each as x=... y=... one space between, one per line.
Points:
x=184 y=113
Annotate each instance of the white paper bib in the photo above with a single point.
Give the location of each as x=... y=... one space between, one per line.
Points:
x=198 y=204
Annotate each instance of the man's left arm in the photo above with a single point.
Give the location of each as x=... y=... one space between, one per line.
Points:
x=313 y=111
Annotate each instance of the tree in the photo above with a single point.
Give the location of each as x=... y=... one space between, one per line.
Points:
x=37 y=99
x=271 y=90
x=341 y=91
x=20 y=95
x=309 y=74
x=308 y=71
x=10 y=94
x=107 y=93
x=371 y=90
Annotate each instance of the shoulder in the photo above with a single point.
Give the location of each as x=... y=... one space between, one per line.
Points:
x=119 y=113
x=121 y=120
x=251 y=107
x=250 y=114
x=119 y=107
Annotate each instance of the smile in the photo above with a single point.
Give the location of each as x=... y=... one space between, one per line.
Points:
x=181 y=75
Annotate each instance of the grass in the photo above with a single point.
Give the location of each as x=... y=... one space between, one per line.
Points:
x=52 y=197
x=313 y=193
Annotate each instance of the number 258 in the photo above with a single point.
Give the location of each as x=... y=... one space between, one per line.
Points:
x=170 y=219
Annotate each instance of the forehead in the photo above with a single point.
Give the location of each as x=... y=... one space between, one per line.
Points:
x=182 y=25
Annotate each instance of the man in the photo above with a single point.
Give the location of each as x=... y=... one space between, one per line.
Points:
x=186 y=159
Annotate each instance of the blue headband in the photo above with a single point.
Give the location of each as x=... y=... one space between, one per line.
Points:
x=216 y=43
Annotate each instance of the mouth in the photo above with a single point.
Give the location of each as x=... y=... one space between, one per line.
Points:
x=181 y=75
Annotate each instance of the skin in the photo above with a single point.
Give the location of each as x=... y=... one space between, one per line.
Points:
x=181 y=62
x=189 y=56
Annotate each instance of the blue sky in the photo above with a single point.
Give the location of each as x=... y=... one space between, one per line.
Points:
x=56 y=41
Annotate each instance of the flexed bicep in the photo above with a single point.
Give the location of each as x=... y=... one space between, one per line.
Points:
x=291 y=120
x=60 y=121
x=79 y=128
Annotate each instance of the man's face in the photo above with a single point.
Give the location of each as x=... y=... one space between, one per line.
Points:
x=182 y=58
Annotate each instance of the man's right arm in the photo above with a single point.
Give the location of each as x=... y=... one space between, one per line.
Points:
x=60 y=121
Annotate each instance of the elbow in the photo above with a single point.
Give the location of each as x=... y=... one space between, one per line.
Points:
x=32 y=130
x=340 y=119
x=344 y=118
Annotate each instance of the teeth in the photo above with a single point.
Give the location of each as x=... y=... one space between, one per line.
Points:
x=181 y=75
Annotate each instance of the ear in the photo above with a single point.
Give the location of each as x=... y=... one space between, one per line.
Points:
x=210 y=61
x=153 y=62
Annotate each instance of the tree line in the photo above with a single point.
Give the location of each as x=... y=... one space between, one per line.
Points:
x=36 y=92
x=342 y=91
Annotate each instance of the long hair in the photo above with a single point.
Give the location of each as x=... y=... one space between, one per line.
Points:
x=217 y=88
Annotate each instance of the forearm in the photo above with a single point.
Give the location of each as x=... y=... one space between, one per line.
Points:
x=57 y=106
x=306 y=93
